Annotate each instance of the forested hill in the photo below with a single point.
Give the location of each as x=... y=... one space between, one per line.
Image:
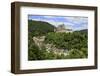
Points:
x=40 y=27
x=44 y=43
x=83 y=31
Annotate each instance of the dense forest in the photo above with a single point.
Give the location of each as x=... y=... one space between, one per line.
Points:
x=39 y=28
x=74 y=44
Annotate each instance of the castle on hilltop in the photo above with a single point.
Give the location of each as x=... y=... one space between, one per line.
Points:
x=61 y=28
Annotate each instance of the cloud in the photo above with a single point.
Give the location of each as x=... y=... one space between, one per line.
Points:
x=73 y=22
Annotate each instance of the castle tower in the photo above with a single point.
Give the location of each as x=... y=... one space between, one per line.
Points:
x=62 y=28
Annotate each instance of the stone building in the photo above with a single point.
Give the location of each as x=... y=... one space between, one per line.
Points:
x=61 y=28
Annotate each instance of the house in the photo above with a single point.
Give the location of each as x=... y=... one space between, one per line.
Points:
x=61 y=28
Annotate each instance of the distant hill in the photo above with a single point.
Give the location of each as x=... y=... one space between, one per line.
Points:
x=40 y=27
x=83 y=31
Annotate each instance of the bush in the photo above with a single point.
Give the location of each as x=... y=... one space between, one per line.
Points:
x=75 y=42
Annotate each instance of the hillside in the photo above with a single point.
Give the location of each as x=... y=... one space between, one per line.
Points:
x=44 y=43
x=39 y=27
x=83 y=31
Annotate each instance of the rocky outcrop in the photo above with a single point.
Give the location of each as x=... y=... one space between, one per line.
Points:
x=39 y=41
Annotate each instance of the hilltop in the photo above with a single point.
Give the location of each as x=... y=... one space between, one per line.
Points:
x=40 y=27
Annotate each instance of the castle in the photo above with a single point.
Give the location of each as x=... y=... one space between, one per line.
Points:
x=61 y=28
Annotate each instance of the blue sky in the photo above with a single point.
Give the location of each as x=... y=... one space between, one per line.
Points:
x=72 y=22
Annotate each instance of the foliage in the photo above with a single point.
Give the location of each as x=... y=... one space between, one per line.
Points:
x=39 y=27
x=75 y=42
x=75 y=53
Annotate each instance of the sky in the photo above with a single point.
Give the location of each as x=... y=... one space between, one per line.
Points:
x=70 y=22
